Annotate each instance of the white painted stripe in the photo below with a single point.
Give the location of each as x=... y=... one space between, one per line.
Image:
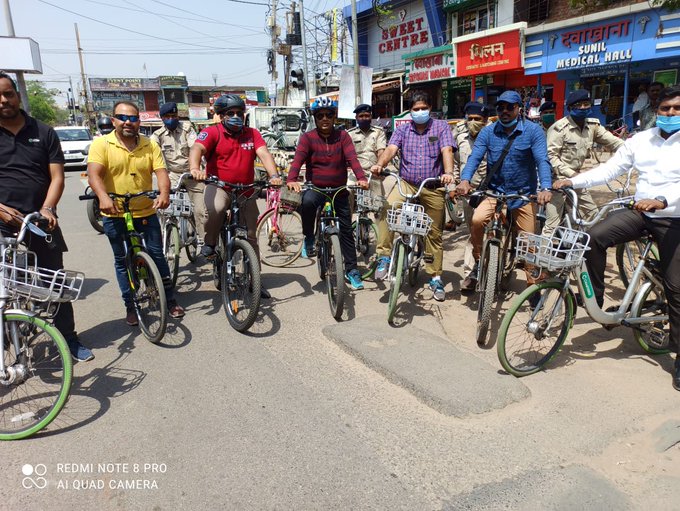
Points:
x=534 y=43
x=533 y=54
x=667 y=17
x=533 y=65
x=674 y=30
x=661 y=46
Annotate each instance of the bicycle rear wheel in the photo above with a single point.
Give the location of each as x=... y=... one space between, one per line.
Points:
x=366 y=242
x=38 y=378
x=171 y=249
x=241 y=286
x=627 y=257
x=191 y=239
x=395 y=281
x=487 y=295
x=653 y=337
x=529 y=338
x=149 y=297
x=335 y=276
x=279 y=235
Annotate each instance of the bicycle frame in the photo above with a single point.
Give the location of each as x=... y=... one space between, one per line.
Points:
x=496 y=232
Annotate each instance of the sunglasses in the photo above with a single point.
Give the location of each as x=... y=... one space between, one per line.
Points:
x=505 y=107
x=323 y=115
x=233 y=113
x=126 y=118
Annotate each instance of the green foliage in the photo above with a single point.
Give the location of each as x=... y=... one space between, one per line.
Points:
x=43 y=105
x=670 y=5
x=587 y=6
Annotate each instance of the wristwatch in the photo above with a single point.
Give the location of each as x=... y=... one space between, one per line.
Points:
x=662 y=200
x=53 y=211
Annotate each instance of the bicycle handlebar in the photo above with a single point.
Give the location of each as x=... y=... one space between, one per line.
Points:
x=411 y=196
x=151 y=194
x=212 y=180
x=28 y=225
x=185 y=176
x=503 y=196
x=627 y=202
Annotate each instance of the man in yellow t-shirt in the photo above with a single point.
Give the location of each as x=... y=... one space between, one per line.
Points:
x=124 y=162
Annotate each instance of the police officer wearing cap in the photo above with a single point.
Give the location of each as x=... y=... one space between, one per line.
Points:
x=175 y=139
x=547 y=111
x=569 y=143
x=369 y=142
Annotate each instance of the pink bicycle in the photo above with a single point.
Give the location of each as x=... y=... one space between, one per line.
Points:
x=279 y=228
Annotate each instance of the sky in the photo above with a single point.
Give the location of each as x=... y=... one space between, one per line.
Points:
x=140 y=38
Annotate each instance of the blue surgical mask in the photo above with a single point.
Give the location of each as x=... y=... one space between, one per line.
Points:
x=171 y=124
x=669 y=124
x=509 y=124
x=580 y=114
x=364 y=124
x=421 y=116
x=234 y=123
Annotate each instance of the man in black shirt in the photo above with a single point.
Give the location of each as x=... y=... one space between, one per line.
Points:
x=32 y=179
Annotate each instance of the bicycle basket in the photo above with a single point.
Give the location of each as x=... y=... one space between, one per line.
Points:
x=369 y=202
x=289 y=197
x=409 y=219
x=180 y=205
x=563 y=250
x=24 y=278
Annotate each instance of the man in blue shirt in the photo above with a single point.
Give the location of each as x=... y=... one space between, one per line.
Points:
x=518 y=172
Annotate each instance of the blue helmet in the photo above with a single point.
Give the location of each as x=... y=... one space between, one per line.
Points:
x=324 y=104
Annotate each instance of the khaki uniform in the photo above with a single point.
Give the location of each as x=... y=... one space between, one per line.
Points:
x=175 y=146
x=568 y=149
x=367 y=144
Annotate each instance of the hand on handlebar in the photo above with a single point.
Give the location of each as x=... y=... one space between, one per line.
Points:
x=108 y=206
x=650 y=205
x=162 y=201
x=543 y=197
x=363 y=184
x=198 y=174
x=294 y=186
x=463 y=188
x=446 y=179
x=51 y=219
x=562 y=183
x=276 y=181
x=376 y=170
x=10 y=215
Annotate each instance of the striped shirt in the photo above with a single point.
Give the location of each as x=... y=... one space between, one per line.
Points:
x=326 y=159
x=421 y=153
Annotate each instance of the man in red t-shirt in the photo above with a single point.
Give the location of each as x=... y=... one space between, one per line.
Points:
x=230 y=150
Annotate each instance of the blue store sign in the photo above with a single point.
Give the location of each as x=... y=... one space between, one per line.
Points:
x=609 y=42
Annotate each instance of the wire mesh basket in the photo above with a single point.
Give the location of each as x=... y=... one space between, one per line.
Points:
x=369 y=202
x=22 y=277
x=409 y=219
x=289 y=197
x=180 y=205
x=563 y=250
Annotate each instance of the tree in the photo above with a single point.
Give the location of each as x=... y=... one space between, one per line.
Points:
x=43 y=105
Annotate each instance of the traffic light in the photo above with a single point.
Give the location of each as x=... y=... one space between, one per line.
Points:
x=297 y=79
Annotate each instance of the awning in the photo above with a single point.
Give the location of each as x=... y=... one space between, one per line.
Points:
x=392 y=84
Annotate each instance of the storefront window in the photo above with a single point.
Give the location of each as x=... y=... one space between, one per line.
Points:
x=475 y=20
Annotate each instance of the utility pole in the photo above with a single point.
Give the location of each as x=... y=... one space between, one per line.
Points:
x=307 y=78
x=273 y=27
x=21 y=83
x=72 y=100
x=86 y=103
x=355 y=40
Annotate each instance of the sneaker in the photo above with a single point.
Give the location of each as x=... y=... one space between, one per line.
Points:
x=308 y=248
x=354 y=279
x=382 y=268
x=131 y=317
x=175 y=310
x=437 y=288
x=80 y=352
x=208 y=251
x=470 y=282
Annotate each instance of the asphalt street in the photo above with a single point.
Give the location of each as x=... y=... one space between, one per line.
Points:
x=307 y=413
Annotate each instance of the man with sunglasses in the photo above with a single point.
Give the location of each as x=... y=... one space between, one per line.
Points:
x=525 y=164
x=125 y=162
x=230 y=150
x=326 y=154
x=570 y=141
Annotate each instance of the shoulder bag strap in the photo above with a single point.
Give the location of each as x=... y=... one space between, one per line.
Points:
x=498 y=164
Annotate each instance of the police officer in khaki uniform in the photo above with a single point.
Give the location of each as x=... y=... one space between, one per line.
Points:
x=464 y=134
x=369 y=141
x=569 y=142
x=175 y=140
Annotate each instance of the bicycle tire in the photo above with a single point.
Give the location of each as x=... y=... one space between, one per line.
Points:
x=524 y=356
x=191 y=246
x=94 y=215
x=413 y=268
x=335 y=276
x=626 y=260
x=366 y=244
x=282 y=245
x=395 y=283
x=50 y=371
x=241 y=286
x=171 y=249
x=487 y=294
x=655 y=341
x=218 y=260
x=149 y=297
x=273 y=141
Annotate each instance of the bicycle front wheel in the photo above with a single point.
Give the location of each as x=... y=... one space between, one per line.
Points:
x=335 y=276
x=279 y=235
x=37 y=379
x=171 y=249
x=488 y=286
x=653 y=337
x=395 y=281
x=241 y=286
x=94 y=215
x=149 y=297
x=366 y=241
x=414 y=259
x=529 y=337
x=191 y=241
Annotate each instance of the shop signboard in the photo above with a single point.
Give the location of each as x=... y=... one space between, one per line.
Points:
x=173 y=81
x=198 y=113
x=427 y=68
x=149 y=116
x=465 y=83
x=124 y=84
x=493 y=52
x=398 y=120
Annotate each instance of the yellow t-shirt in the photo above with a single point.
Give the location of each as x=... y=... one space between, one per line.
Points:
x=128 y=171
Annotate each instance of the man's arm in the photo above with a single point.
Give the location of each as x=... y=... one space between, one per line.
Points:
x=95 y=178
x=540 y=151
x=447 y=159
x=195 y=154
x=54 y=192
x=269 y=164
x=301 y=154
x=607 y=139
x=350 y=155
x=621 y=163
x=162 y=179
x=555 y=143
x=479 y=150
x=381 y=144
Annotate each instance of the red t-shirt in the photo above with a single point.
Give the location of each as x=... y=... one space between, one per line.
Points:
x=231 y=157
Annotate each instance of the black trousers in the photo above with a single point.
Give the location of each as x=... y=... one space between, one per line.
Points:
x=311 y=201
x=627 y=225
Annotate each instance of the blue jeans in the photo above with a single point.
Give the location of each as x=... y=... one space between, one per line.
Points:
x=150 y=228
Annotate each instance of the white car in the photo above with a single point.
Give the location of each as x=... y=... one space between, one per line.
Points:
x=75 y=142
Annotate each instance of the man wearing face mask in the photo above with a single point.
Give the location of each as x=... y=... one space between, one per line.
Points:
x=230 y=150
x=654 y=154
x=547 y=111
x=175 y=139
x=648 y=113
x=369 y=142
x=464 y=135
x=569 y=143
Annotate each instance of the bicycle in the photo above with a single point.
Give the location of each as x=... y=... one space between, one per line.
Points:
x=94 y=215
x=494 y=266
x=529 y=337
x=410 y=221
x=275 y=136
x=279 y=228
x=236 y=267
x=146 y=284
x=365 y=230
x=179 y=228
x=36 y=369
x=329 y=258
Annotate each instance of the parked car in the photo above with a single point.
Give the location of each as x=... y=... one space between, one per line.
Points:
x=75 y=142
